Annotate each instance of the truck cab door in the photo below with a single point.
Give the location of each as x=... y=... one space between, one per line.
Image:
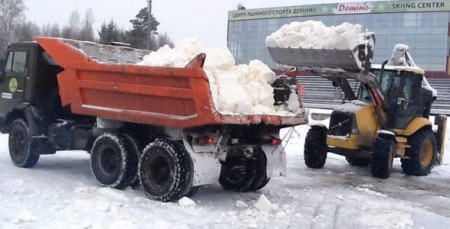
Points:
x=15 y=79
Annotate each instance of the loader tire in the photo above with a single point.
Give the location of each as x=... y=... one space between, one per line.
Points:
x=315 y=150
x=113 y=160
x=166 y=171
x=422 y=153
x=383 y=156
x=239 y=173
x=22 y=147
x=358 y=161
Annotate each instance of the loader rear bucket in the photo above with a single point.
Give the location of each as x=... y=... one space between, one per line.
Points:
x=317 y=58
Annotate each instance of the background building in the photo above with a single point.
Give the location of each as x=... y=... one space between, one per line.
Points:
x=423 y=25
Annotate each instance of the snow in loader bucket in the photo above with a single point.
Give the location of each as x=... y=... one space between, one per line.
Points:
x=347 y=60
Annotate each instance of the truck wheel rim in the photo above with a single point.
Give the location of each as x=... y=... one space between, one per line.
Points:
x=159 y=171
x=18 y=143
x=108 y=161
x=427 y=156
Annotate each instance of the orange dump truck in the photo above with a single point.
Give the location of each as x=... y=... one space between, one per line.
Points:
x=156 y=125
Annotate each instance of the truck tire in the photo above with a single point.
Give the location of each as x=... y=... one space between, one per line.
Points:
x=315 y=150
x=242 y=174
x=383 y=156
x=133 y=159
x=358 y=161
x=22 y=148
x=422 y=153
x=261 y=178
x=112 y=158
x=165 y=171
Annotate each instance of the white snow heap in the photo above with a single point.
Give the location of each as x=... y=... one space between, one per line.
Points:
x=316 y=35
x=241 y=89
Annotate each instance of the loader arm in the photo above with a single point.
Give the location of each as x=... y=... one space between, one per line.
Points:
x=338 y=66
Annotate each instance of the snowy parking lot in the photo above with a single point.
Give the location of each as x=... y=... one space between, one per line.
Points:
x=61 y=192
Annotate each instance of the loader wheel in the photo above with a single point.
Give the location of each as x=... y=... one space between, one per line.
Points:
x=113 y=160
x=166 y=171
x=239 y=173
x=22 y=148
x=383 y=155
x=422 y=153
x=315 y=152
x=358 y=161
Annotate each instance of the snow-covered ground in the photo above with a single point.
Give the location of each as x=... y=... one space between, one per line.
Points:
x=60 y=192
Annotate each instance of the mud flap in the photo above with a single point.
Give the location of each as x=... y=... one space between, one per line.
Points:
x=206 y=164
x=276 y=160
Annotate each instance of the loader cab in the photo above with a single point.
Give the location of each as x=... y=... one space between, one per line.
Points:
x=404 y=96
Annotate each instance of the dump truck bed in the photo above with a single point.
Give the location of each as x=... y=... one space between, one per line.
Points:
x=116 y=88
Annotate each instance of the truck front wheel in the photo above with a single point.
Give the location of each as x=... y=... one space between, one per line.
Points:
x=114 y=160
x=22 y=148
x=315 y=150
x=166 y=171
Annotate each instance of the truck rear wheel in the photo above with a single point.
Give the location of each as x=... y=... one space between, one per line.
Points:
x=383 y=155
x=315 y=150
x=422 y=153
x=237 y=173
x=22 y=148
x=243 y=174
x=261 y=178
x=165 y=171
x=114 y=160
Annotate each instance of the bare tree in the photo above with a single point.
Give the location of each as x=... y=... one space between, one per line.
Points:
x=86 y=31
x=26 y=31
x=11 y=14
x=72 y=29
x=163 y=39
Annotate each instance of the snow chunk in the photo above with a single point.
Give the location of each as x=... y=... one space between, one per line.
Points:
x=264 y=204
x=241 y=204
x=314 y=34
x=186 y=202
x=241 y=89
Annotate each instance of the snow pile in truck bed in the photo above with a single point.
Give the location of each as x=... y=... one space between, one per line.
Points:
x=235 y=89
x=316 y=35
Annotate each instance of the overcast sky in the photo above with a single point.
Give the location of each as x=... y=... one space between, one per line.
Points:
x=205 y=20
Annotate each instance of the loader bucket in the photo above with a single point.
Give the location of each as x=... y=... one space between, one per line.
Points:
x=317 y=58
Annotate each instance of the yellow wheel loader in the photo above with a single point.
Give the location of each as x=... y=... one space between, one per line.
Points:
x=387 y=117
